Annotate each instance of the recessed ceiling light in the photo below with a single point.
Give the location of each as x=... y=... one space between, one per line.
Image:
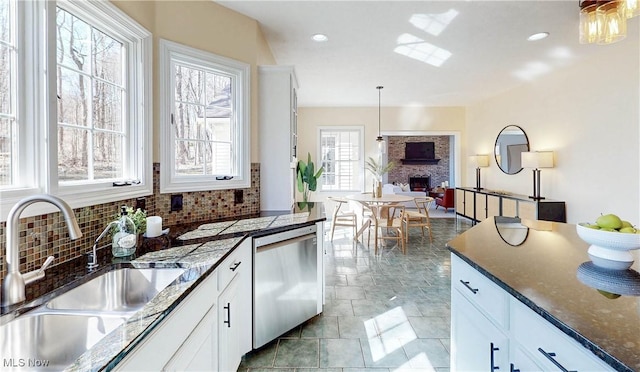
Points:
x=538 y=36
x=319 y=38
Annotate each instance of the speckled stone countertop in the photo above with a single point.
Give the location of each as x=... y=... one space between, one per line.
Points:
x=542 y=272
x=198 y=248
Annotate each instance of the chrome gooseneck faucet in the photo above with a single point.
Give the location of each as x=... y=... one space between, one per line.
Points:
x=13 y=285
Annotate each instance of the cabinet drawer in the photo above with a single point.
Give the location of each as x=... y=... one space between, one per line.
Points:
x=481 y=291
x=239 y=260
x=538 y=337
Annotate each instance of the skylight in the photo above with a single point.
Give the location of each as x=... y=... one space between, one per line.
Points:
x=433 y=24
x=416 y=48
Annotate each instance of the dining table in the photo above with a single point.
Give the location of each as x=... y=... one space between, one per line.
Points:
x=374 y=203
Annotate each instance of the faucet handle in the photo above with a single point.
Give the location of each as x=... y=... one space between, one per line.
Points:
x=37 y=274
x=47 y=262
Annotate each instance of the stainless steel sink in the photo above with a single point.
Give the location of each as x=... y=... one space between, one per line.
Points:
x=51 y=341
x=54 y=335
x=122 y=290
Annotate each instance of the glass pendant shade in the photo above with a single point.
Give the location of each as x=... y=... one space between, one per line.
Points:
x=612 y=19
x=589 y=26
x=631 y=8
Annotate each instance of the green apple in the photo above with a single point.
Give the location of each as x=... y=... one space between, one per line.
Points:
x=626 y=224
x=592 y=226
x=608 y=229
x=609 y=221
x=627 y=230
x=609 y=295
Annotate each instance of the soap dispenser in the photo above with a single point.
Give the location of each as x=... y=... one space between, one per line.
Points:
x=125 y=237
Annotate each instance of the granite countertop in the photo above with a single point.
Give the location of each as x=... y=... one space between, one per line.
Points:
x=540 y=268
x=198 y=248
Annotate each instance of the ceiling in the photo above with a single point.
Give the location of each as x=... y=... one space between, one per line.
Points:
x=486 y=42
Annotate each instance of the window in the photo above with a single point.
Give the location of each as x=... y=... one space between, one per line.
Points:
x=8 y=74
x=341 y=154
x=204 y=120
x=87 y=125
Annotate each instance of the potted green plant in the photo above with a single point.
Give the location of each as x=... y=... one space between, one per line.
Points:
x=378 y=169
x=307 y=180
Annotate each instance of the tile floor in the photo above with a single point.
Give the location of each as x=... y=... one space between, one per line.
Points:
x=389 y=312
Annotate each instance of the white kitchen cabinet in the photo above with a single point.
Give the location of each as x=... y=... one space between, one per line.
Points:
x=278 y=123
x=234 y=309
x=196 y=353
x=491 y=328
x=478 y=344
x=549 y=346
x=196 y=336
x=185 y=325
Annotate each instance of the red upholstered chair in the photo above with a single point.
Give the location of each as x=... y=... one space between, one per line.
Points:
x=446 y=201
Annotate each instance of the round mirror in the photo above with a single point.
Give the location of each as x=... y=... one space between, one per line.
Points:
x=510 y=144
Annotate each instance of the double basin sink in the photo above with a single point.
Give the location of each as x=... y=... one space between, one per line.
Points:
x=53 y=335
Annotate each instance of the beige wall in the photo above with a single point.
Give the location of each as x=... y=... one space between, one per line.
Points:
x=433 y=120
x=207 y=26
x=589 y=116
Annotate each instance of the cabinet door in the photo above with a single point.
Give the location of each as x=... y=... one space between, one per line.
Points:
x=509 y=207
x=197 y=352
x=478 y=344
x=459 y=201
x=481 y=207
x=493 y=206
x=229 y=353
x=469 y=204
x=527 y=210
x=520 y=361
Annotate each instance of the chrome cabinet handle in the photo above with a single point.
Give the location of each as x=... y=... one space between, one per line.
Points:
x=550 y=356
x=228 y=321
x=466 y=284
x=235 y=266
x=493 y=349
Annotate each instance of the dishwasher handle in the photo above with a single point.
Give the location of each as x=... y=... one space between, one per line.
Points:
x=282 y=243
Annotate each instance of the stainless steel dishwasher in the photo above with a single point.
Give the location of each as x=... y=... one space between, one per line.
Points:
x=287 y=282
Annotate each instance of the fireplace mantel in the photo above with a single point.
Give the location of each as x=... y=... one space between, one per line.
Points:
x=420 y=161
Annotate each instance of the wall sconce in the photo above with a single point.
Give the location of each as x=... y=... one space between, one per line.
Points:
x=537 y=160
x=479 y=161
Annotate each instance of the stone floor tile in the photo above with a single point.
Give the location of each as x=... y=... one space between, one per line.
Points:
x=298 y=353
x=341 y=353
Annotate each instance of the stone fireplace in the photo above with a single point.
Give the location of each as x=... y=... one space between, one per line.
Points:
x=402 y=173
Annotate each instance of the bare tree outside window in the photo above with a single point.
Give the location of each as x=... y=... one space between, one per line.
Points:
x=203 y=122
x=7 y=111
x=91 y=105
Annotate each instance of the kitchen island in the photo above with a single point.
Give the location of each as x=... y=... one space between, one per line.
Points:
x=529 y=291
x=205 y=251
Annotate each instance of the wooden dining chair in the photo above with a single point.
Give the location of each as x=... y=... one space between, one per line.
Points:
x=419 y=217
x=389 y=225
x=342 y=217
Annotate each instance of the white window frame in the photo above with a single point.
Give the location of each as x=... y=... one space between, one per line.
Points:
x=360 y=130
x=170 y=182
x=37 y=146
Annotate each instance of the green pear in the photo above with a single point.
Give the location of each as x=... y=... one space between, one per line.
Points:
x=627 y=230
x=609 y=221
x=592 y=226
x=626 y=224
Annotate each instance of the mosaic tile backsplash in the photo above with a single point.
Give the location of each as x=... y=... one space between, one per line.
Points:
x=46 y=235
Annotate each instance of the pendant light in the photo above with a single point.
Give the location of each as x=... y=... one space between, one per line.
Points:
x=382 y=146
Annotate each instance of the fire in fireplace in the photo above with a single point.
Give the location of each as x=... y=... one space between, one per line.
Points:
x=420 y=183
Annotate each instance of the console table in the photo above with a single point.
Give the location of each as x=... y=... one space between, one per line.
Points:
x=478 y=205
